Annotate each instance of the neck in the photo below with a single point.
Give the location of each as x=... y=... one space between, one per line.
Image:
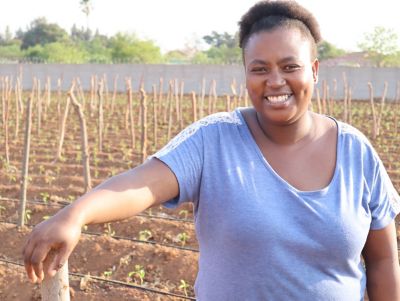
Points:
x=301 y=130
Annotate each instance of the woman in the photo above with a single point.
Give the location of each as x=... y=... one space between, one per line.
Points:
x=286 y=201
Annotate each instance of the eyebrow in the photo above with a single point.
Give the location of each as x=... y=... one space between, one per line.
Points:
x=262 y=62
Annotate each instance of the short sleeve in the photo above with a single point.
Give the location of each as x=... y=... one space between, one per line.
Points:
x=184 y=156
x=385 y=201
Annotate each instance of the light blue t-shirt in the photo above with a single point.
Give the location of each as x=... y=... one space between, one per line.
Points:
x=262 y=239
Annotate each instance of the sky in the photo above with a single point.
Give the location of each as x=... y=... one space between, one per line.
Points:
x=172 y=24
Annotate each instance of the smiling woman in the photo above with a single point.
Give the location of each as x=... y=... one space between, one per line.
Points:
x=286 y=201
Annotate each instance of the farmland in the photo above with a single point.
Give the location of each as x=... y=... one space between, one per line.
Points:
x=80 y=138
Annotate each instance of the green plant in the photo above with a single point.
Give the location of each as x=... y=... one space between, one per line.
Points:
x=107 y=274
x=184 y=213
x=139 y=272
x=2 y=208
x=46 y=217
x=184 y=286
x=145 y=235
x=49 y=179
x=45 y=196
x=108 y=230
x=183 y=237
x=27 y=215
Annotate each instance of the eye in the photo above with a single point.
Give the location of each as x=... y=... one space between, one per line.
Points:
x=258 y=70
x=291 y=67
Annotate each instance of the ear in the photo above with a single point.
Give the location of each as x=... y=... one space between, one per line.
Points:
x=315 y=69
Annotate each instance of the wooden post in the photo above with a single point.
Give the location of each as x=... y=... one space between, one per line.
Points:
x=7 y=114
x=155 y=111
x=182 y=87
x=39 y=107
x=371 y=98
x=130 y=112
x=25 y=163
x=194 y=106
x=100 y=125
x=171 y=95
x=349 y=113
x=84 y=138
x=143 y=104
x=203 y=93
x=55 y=288
x=378 y=124
x=62 y=130
x=114 y=96
x=345 y=94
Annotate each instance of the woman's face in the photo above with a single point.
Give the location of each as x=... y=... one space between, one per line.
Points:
x=280 y=74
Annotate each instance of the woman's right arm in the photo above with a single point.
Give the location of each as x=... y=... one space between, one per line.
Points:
x=119 y=197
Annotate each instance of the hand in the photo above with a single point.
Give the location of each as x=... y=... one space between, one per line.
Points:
x=60 y=234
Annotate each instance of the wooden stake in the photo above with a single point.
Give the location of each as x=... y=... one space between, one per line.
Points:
x=155 y=111
x=25 y=163
x=371 y=98
x=130 y=112
x=194 y=106
x=84 y=139
x=62 y=130
x=143 y=104
x=55 y=288
x=378 y=124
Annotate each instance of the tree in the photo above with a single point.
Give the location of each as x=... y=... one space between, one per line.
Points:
x=128 y=48
x=86 y=7
x=327 y=50
x=40 y=33
x=381 y=45
x=224 y=48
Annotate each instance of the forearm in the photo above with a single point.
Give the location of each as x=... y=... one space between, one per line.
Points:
x=383 y=281
x=124 y=195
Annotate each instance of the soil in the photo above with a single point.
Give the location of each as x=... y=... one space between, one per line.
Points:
x=161 y=242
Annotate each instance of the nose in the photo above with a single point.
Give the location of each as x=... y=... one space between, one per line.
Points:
x=275 y=79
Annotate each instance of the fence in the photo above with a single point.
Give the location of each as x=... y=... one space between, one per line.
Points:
x=194 y=75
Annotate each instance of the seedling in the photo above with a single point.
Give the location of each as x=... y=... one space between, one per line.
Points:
x=107 y=274
x=45 y=196
x=2 y=208
x=184 y=213
x=138 y=273
x=145 y=235
x=46 y=217
x=184 y=286
x=183 y=237
x=108 y=231
x=27 y=215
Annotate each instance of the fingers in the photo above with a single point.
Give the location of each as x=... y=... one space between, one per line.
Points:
x=57 y=261
x=34 y=255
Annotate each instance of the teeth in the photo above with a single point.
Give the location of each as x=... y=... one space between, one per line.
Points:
x=278 y=99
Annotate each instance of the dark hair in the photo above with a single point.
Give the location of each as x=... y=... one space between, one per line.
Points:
x=267 y=15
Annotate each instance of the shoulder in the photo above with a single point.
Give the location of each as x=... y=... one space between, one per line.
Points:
x=194 y=132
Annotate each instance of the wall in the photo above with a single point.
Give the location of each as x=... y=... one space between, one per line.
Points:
x=193 y=76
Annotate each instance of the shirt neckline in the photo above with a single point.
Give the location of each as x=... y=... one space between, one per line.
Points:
x=317 y=192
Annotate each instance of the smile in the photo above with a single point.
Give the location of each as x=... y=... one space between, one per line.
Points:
x=278 y=99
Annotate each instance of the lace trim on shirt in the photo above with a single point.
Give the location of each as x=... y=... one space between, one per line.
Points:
x=221 y=117
x=394 y=200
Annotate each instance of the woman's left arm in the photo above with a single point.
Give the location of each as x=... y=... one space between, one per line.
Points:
x=382 y=264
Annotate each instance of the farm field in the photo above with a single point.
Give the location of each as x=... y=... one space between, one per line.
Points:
x=152 y=256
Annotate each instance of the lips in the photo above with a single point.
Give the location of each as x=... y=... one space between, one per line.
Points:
x=277 y=99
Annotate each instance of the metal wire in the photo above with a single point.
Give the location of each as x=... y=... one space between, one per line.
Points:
x=117 y=282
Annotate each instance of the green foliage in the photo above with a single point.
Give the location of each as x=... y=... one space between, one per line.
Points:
x=382 y=46
x=58 y=52
x=139 y=272
x=145 y=235
x=184 y=286
x=128 y=48
x=224 y=49
x=327 y=50
x=41 y=33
